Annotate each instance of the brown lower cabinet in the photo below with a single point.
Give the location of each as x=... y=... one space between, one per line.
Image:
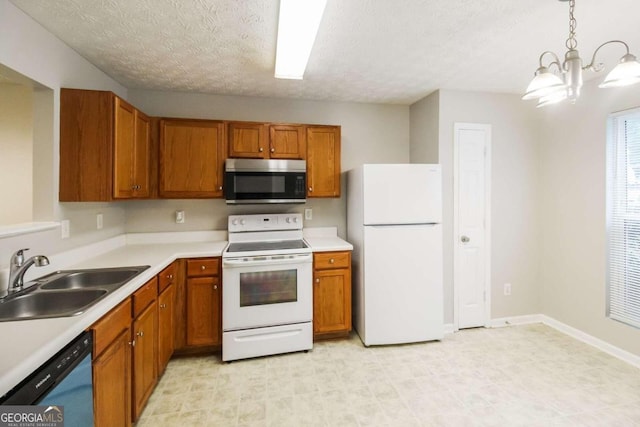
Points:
x=112 y=367
x=145 y=349
x=166 y=302
x=125 y=364
x=331 y=294
x=167 y=280
x=203 y=302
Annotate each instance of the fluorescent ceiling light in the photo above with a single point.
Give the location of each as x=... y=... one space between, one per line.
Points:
x=297 y=28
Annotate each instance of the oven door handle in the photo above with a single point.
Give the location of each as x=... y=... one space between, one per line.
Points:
x=267 y=260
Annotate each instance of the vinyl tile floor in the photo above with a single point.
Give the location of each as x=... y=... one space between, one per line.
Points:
x=528 y=375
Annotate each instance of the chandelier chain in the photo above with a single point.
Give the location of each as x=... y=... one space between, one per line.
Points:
x=572 y=42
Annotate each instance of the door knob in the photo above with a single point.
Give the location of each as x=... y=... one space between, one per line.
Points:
x=464 y=239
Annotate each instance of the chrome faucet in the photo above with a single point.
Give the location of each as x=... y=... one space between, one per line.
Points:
x=18 y=266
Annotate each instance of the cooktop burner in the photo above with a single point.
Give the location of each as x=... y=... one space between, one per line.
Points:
x=266 y=246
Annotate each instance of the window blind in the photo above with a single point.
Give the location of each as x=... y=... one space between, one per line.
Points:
x=623 y=218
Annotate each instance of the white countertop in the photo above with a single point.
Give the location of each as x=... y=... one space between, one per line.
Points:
x=325 y=239
x=27 y=344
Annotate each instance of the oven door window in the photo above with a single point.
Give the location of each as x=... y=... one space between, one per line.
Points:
x=268 y=287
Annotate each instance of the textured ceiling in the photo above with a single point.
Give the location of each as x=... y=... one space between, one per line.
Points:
x=379 y=51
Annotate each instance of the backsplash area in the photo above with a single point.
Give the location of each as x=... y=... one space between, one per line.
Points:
x=211 y=214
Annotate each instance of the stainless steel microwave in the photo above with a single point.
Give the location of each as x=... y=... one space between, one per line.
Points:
x=265 y=181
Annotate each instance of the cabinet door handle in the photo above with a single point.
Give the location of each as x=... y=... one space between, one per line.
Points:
x=163 y=305
x=140 y=334
x=215 y=287
x=170 y=276
x=132 y=343
x=220 y=188
x=331 y=261
x=273 y=150
x=310 y=189
x=317 y=280
x=202 y=267
x=261 y=149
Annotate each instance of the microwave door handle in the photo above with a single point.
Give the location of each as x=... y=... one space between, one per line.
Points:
x=266 y=260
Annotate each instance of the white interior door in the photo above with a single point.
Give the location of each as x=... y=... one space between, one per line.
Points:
x=471 y=207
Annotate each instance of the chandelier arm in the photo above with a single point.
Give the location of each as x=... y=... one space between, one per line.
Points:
x=556 y=62
x=598 y=67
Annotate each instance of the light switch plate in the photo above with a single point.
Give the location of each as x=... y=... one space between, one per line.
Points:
x=99 y=221
x=308 y=214
x=179 y=217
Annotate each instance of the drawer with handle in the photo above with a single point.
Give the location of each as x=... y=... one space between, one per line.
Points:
x=167 y=276
x=328 y=260
x=202 y=267
x=145 y=296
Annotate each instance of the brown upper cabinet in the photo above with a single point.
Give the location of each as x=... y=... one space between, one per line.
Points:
x=323 y=161
x=192 y=154
x=287 y=142
x=248 y=140
x=266 y=141
x=104 y=148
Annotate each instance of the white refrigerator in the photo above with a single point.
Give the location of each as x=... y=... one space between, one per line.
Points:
x=394 y=216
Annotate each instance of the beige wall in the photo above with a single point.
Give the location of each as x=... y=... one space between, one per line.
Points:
x=371 y=133
x=514 y=191
x=573 y=234
x=29 y=50
x=16 y=148
x=424 y=121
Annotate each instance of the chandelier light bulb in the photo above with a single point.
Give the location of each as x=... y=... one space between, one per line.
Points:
x=544 y=83
x=627 y=72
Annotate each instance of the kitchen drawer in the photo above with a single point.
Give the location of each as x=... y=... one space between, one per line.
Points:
x=166 y=277
x=110 y=326
x=202 y=267
x=145 y=296
x=327 y=260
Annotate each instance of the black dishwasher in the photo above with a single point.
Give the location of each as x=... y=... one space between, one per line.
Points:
x=65 y=381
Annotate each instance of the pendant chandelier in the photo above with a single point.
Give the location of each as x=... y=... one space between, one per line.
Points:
x=564 y=84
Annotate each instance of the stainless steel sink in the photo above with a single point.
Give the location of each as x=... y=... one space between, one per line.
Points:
x=82 y=279
x=65 y=293
x=48 y=304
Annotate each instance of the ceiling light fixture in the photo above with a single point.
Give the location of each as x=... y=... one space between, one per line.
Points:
x=549 y=87
x=297 y=28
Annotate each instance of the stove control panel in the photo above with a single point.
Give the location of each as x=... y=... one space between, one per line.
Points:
x=265 y=222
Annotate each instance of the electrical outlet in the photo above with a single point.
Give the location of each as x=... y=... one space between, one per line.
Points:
x=507 y=288
x=179 y=217
x=99 y=221
x=65 y=229
x=308 y=214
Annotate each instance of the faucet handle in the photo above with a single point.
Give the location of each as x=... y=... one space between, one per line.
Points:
x=18 y=256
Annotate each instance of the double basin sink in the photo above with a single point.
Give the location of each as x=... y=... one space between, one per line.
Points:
x=65 y=293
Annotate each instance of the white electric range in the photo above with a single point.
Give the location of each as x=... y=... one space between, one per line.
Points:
x=267 y=295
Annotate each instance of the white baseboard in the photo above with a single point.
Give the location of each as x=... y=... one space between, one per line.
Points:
x=515 y=320
x=611 y=349
x=449 y=328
